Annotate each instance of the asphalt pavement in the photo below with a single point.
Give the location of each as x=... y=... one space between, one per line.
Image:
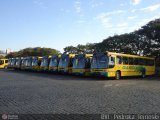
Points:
x=24 y=92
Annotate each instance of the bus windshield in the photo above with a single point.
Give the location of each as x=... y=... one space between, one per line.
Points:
x=1 y=62
x=99 y=61
x=64 y=61
x=13 y=62
x=24 y=62
x=44 y=62
x=18 y=62
x=10 y=61
x=79 y=62
x=29 y=61
x=54 y=62
x=35 y=62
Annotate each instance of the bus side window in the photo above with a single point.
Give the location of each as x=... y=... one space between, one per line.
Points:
x=145 y=62
x=141 y=61
x=135 y=61
x=152 y=62
x=130 y=61
x=111 y=62
x=119 y=60
x=149 y=62
x=125 y=60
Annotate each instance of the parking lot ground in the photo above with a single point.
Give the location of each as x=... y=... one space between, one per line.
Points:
x=24 y=92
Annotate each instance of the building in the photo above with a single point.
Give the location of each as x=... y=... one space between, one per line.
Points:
x=8 y=51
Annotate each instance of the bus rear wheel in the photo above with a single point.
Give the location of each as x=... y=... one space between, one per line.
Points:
x=118 y=75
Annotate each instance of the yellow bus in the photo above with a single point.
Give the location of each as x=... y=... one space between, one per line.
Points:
x=36 y=62
x=23 y=63
x=66 y=63
x=81 y=64
x=3 y=63
x=110 y=64
x=53 y=65
x=45 y=63
x=28 y=65
x=17 y=65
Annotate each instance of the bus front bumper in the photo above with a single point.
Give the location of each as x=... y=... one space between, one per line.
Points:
x=105 y=74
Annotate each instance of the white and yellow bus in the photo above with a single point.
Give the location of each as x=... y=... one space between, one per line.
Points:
x=110 y=64
x=28 y=65
x=3 y=63
x=36 y=62
x=9 y=63
x=66 y=63
x=13 y=63
x=23 y=63
x=81 y=64
x=53 y=65
x=17 y=65
x=45 y=63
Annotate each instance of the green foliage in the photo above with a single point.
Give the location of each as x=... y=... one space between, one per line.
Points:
x=145 y=41
x=88 y=48
x=33 y=52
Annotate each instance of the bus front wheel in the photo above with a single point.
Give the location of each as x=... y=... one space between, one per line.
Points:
x=118 y=75
x=5 y=67
x=143 y=75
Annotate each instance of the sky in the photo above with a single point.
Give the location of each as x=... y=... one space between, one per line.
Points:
x=60 y=23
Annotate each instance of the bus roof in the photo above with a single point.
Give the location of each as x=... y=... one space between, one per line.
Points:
x=47 y=56
x=70 y=55
x=85 y=55
x=56 y=56
x=122 y=54
x=3 y=59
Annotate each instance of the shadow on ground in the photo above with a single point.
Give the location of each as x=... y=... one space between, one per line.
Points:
x=74 y=77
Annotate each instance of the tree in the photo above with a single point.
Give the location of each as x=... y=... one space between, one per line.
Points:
x=33 y=52
x=145 y=41
x=70 y=49
x=80 y=49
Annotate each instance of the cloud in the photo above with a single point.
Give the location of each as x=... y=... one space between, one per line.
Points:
x=81 y=21
x=122 y=25
x=132 y=17
x=65 y=10
x=39 y=3
x=151 y=8
x=95 y=3
x=134 y=10
x=110 y=13
x=145 y=21
x=135 y=2
x=123 y=4
x=105 y=18
x=141 y=23
x=77 y=6
x=115 y=12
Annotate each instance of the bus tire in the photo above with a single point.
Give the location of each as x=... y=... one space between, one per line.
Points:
x=5 y=67
x=118 y=75
x=143 y=75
